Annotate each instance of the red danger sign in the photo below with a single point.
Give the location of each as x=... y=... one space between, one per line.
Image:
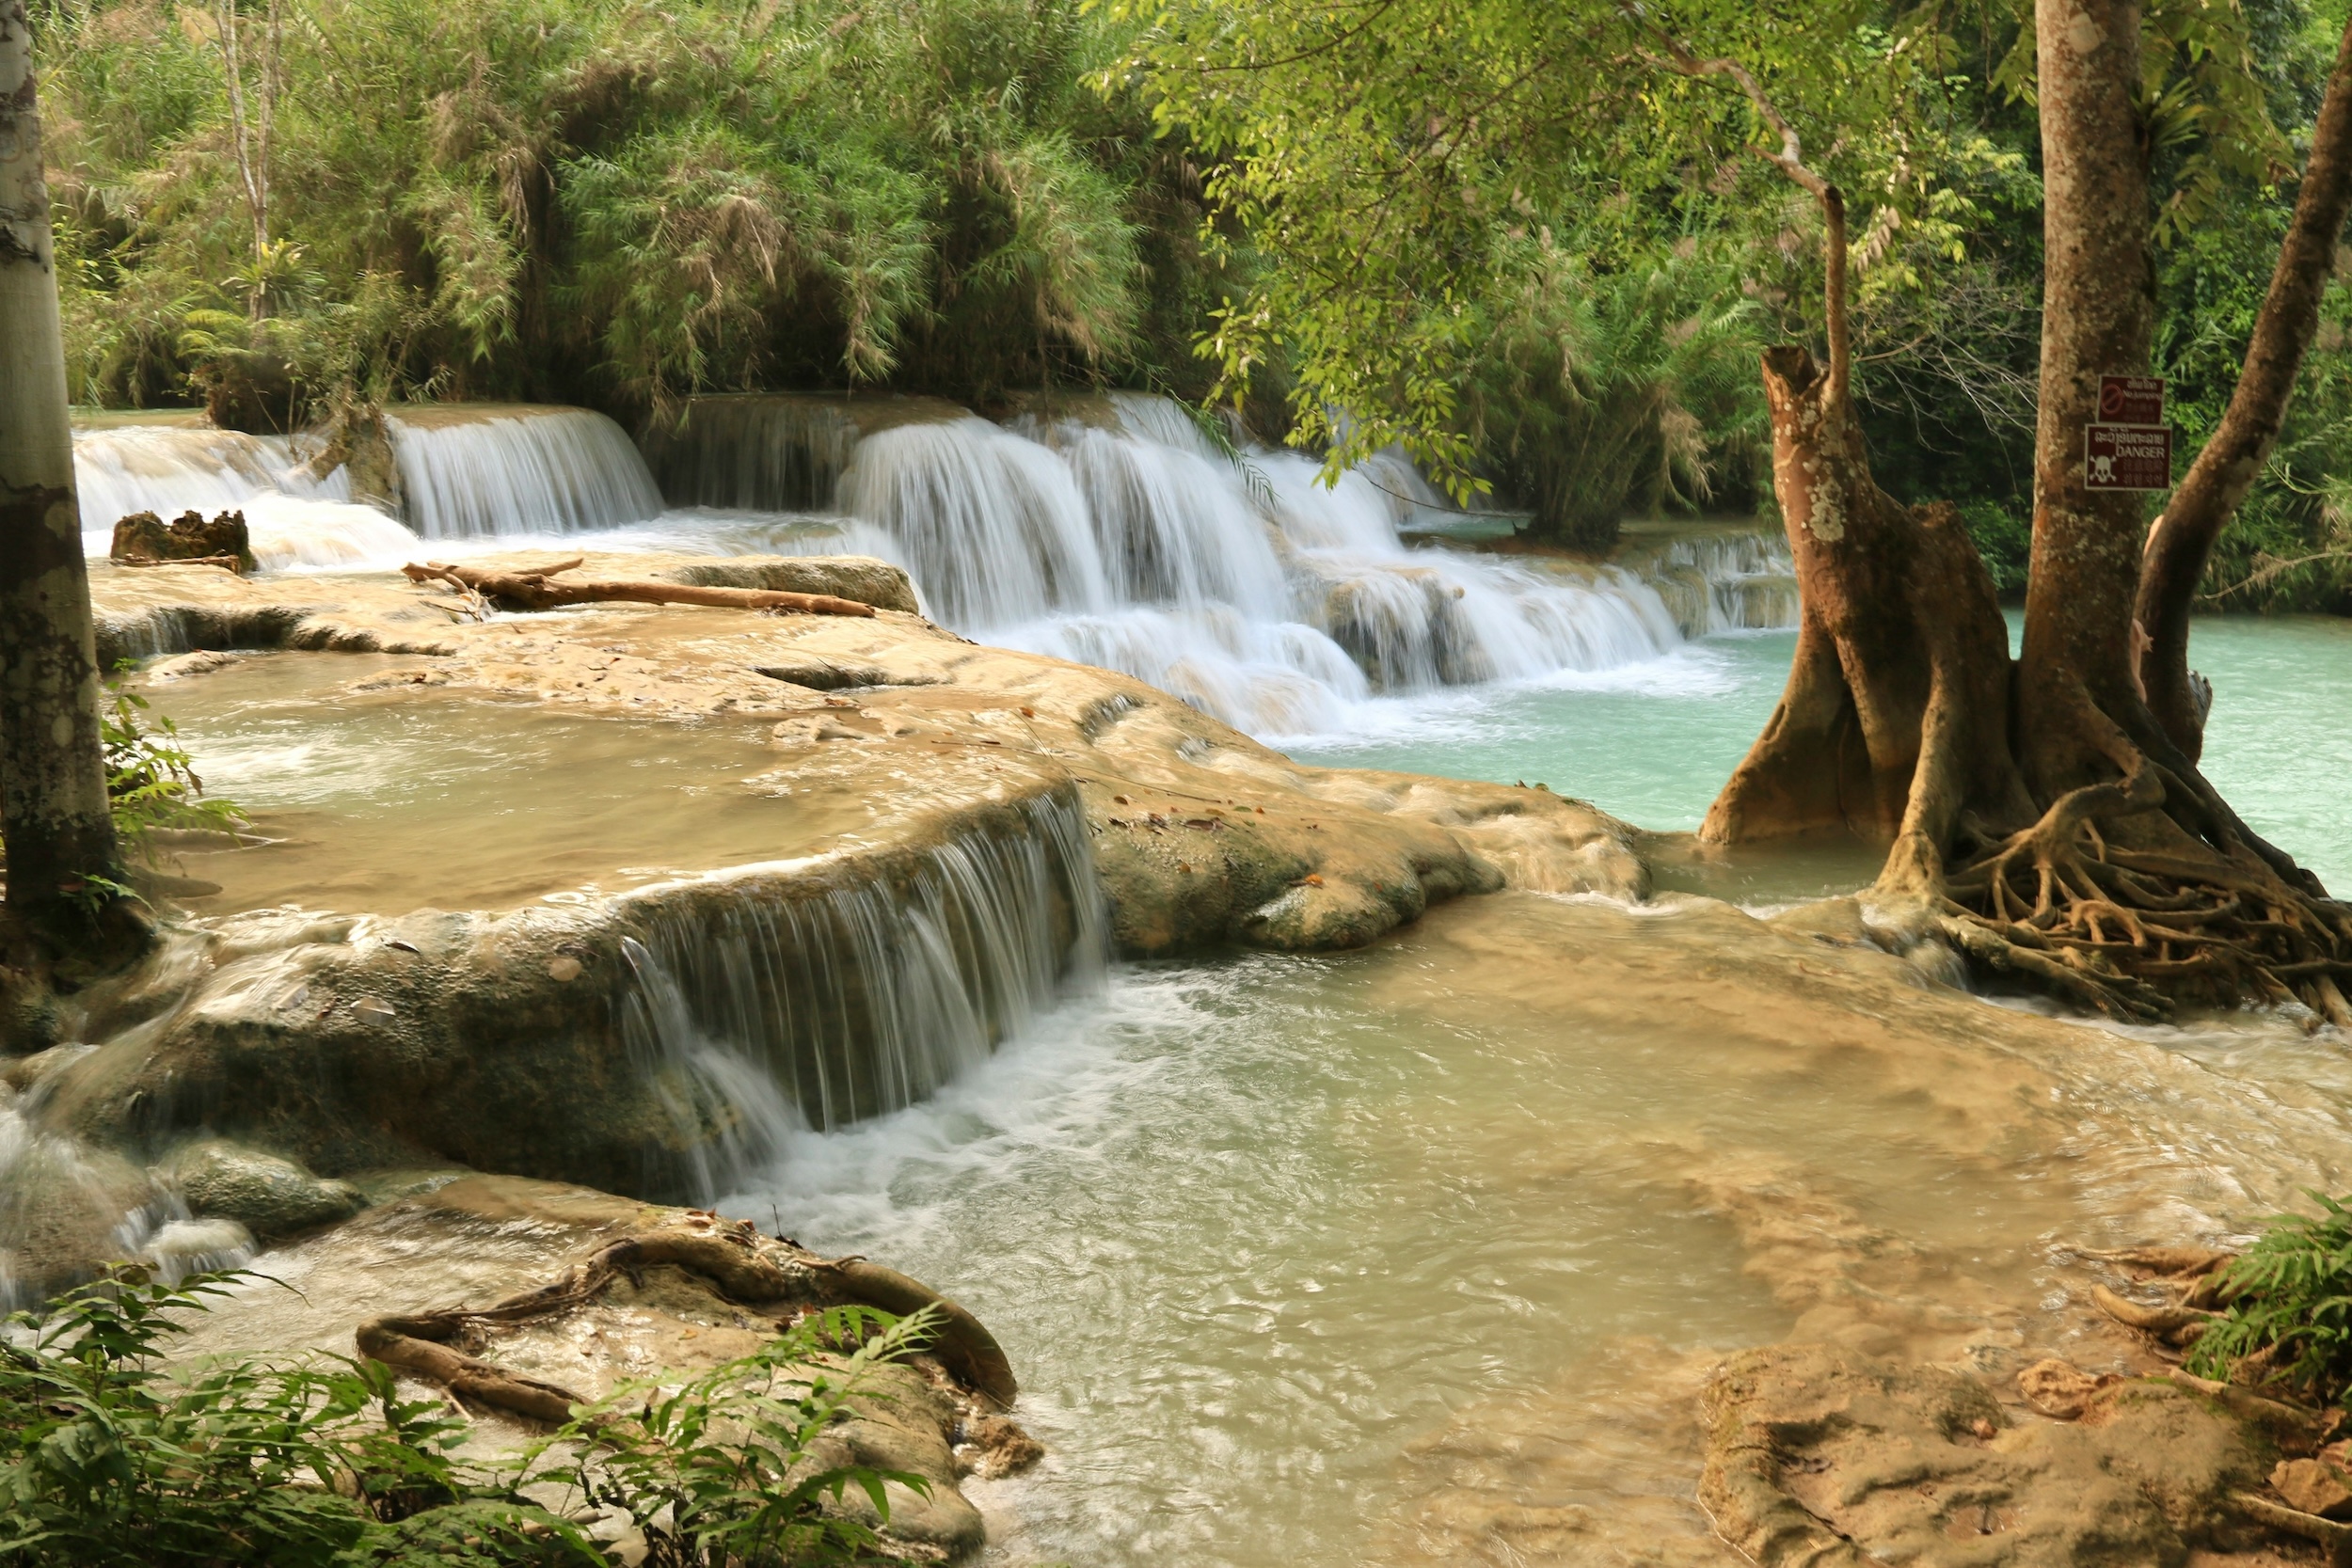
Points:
x=2127 y=457
x=2131 y=399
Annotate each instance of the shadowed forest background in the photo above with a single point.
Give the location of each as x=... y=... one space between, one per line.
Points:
x=622 y=206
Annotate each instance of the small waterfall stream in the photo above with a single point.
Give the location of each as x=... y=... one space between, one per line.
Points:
x=765 y=1007
x=466 y=473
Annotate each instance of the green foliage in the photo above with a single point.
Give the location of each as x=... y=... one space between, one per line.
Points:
x=1594 y=395
x=2290 y=1295
x=1390 y=165
x=721 y=1470
x=152 y=782
x=110 y=1458
x=619 y=203
x=2004 y=536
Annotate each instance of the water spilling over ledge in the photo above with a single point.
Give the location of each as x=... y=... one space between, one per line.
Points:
x=649 y=1042
x=298 y=518
x=1107 y=528
x=468 y=470
x=1716 y=578
x=773 y=451
x=783 y=1004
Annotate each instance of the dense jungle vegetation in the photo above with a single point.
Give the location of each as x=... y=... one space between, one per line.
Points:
x=287 y=206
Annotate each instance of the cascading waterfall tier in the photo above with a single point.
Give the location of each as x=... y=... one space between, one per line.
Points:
x=296 y=516
x=1113 y=530
x=773 y=451
x=770 y=999
x=470 y=470
x=1725 y=581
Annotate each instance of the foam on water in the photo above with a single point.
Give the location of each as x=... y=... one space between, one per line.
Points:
x=1316 y=1261
x=1112 y=531
x=776 y=1014
x=1120 y=534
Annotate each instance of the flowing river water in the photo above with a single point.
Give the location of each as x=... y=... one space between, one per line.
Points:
x=1417 y=1254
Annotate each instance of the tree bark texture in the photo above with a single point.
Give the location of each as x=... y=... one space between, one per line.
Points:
x=53 y=813
x=2098 y=318
x=2208 y=496
x=1895 y=714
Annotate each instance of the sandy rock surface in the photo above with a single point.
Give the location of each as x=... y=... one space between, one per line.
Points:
x=1202 y=835
x=1818 y=1455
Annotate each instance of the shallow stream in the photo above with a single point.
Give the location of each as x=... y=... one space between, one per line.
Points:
x=1419 y=1254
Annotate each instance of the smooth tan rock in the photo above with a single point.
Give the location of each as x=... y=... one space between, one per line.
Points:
x=2314 y=1486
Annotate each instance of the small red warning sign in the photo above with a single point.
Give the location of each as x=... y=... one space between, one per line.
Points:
x=2127 y=457
x=2131 y=399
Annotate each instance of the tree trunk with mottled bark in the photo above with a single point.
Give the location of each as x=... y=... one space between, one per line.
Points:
x=54 y=813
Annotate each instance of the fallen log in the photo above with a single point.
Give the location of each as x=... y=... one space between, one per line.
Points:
x=539 y=590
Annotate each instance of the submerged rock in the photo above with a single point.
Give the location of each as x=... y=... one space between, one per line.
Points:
x=268 y=1195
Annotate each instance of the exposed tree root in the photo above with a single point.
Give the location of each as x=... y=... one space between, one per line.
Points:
x=2129 y=923
x=726 y=1256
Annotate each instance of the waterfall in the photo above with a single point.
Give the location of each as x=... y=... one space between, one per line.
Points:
x=1112 y=530
x=773 y=451
x=1715 y=583
x=766 y=1006
x=293 y=518
x=504 y=469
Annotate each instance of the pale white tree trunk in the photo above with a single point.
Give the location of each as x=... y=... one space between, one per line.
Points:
x=54 y=815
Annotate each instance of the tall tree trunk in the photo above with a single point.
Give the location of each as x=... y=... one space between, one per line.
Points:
x=2233 y=459
x=54 y=813
x=2098 y=318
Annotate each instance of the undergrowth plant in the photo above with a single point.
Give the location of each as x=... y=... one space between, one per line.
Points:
x=113 y=1457
x=2290 y=1299
x=724 y=1471
x=152 y=782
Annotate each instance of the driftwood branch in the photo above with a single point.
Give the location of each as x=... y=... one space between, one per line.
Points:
x=540 y=590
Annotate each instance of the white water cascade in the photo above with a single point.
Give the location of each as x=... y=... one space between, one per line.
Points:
x=765 y=1010
x=1120 y=535
x=295 y=517
x=1726 y=582
x=1107 y=530
x=469 y=472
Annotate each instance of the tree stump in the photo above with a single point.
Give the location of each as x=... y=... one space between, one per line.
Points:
x=143 y=539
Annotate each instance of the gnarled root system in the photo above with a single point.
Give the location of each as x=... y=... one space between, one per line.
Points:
x=732 y=1259
x=2129 y=926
